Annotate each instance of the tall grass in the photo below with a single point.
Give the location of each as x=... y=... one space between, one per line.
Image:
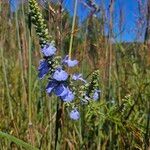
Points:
x=120 y=120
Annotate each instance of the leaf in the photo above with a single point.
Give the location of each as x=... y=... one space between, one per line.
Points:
x=17 y=141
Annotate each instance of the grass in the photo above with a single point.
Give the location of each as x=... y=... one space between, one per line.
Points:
x=120 y=120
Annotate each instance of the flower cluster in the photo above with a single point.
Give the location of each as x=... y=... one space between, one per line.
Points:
x=58 y=85
x=91 y=91
x=59 y=78
x=60 y=82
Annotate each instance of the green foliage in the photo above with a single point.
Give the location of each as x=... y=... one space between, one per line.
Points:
x=17 y=141
x=120 y=121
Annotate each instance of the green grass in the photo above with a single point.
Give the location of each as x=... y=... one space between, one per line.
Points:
x=120 y=120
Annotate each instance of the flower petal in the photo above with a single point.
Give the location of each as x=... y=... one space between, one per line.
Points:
x=78 y=77
x=69 y=62
x=68 y=97
x=72 y=63
x=60 y=75
x=60 y=90
x=43 y=68
x=48 y=50
x=51 y=85
x=65 y=59
x=74 y=114
x=96 y=95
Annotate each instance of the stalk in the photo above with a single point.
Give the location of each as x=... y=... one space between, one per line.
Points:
x=6 y=83
x=58 y=125
x=50 y=125
x=30 y=93
x=110 y=45
x=29 y=83
x=147 y=134
x=20 y=53
x=30 y=125
x=73 y=26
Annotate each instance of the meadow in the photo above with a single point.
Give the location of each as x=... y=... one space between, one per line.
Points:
x=118 y=72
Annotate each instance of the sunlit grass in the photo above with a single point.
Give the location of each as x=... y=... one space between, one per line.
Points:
x=120 y=120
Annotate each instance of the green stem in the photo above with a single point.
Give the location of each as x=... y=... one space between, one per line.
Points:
x=58 y=125
x=20 y=51
x=50 y=125
x=31 y=134
x=31 y=131
x=29 y=83
x=6 y=83
x=73 y=26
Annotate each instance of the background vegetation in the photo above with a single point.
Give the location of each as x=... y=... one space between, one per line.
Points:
x=119 y=120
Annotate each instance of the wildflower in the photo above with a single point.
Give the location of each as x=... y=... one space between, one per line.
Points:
x=60 y=90
x=43 y=68
x=60 y=75
x=70 y=63
x=78 y=77
x=48 y=50
x=51 y=85
x=96 y=95
x=68 y=97
x=58 y=82
x=74 y=114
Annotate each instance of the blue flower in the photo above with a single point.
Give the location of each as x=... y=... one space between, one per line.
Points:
x=60 y=90
x=60 y=75
x=78 y=77
x=51 y=85
x=48 y=50
x=74 y=114
x=96 y=95
x=70 y=63
x=43 y=68
x=68 y=97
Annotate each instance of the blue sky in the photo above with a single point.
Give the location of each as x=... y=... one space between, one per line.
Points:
x=130 y=10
